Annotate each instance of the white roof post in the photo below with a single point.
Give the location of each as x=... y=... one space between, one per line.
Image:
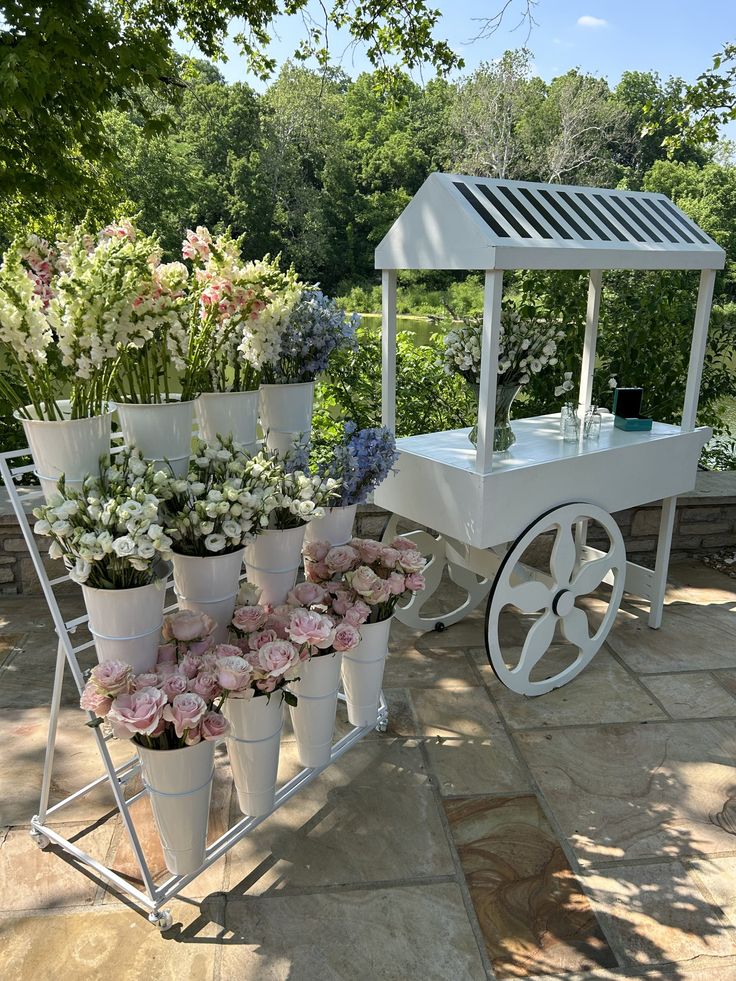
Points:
x=591 y=336
x=697 y=349
x=388 y=348
x=489 y=349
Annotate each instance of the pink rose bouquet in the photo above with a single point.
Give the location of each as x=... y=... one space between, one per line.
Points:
x=365 y=579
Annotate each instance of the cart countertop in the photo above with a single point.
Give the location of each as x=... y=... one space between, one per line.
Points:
x=538 y=440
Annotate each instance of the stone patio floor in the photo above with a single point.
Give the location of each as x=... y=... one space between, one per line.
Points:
x=589 y=833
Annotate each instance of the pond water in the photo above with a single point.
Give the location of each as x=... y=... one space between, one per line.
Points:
x=420 y=327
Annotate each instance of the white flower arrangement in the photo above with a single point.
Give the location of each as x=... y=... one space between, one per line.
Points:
x=108 y=534
x=292 y=497
x=526 y=347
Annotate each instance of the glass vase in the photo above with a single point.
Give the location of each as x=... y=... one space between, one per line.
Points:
x=503 y=434
x=569 y=423
x=592 y=424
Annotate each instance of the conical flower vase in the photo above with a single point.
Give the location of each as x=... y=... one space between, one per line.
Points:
x=209 y=584
x=72 y=447
x=362 y=673
x=286 y=413
x=313 y=717
x=272 y=562
x=179 y=784
x=253 y=745
x=228 y=414
x=126 y=623
x=503 y=434
x=162 y=432
x=336 y=527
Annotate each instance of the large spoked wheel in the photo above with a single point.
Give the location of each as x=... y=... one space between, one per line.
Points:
x=575 y=572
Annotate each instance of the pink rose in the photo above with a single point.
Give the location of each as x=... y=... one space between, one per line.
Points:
x=316 y=571
x=205 y=684
x=112 y=677
x=316 y=551
x=234 y=674
x=396 y=583
x=342 y=601
x=364 y=580
x=389 y=557
x=415 y=581
x=199 y=647
x=260 y=637
x=403 y=544
x=311 y=628
x=186 y=625
x=277 y=657
x=346 y=637
x=192 y=736
x=189 y=666
x=380 y=594
x=307 y=594
x=175 y=684
x=185 y=711
x=278 y=621
x=267 y=685
x=249 y=618
x=341 y=558
x=358 y=613
x=412 y=561
x=369 y=550
x=214 y=725
x=225 y=650
x=166 y=654
x=93 y=700
x=149 y=679
x=140 y=712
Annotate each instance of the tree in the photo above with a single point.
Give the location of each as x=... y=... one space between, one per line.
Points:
x=64 y=63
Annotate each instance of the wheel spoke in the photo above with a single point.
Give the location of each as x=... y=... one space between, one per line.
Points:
x=536 y=644
x=529 y=596
x=575 y=629
x=564 y=555
x=592 y=574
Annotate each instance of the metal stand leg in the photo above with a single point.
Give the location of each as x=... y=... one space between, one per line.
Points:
x=664 y=543
x=51 y=742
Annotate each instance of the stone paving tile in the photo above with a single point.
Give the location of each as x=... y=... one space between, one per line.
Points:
x=717 y=878
x=450 y=712
x=484 y=765
x=370 y=817
x=691 y=638
x=412 y=933
x=639 y=791
x=437 y=667
x=531 y=909
x=34 y=878
x=109 y=943
x=656 y=913
x=691 y=696
x=603 y=692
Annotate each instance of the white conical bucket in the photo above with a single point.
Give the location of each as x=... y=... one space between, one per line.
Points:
x=126 y=623
x=253 y=745
x=313 y=718
x=179 y=784
x=209 y=584
x=228 y=414
x=286 y=411
x=362 y=673
x=272 y=562
x=72 y=447
x=336 y=527
x=162 y=432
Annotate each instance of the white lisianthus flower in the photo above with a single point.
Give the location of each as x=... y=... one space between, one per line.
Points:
x=124 y=547
x=215 y=543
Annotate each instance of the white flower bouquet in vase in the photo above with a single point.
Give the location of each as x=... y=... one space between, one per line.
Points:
x=237 y=316
x=170 y=714
x=110 y=539
x=526 y=347
x=208 y=515
x=292 y=498
x=365 y=580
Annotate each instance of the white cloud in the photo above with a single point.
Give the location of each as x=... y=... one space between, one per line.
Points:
x=587 y=21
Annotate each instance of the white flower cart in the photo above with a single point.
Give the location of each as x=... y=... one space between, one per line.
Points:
x=487 y=510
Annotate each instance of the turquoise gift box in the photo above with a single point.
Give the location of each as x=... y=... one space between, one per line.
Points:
x=627 y=410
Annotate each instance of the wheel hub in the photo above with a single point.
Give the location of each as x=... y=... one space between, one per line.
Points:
x=563 y=603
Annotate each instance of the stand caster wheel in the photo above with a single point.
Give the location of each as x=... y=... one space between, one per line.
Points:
x=161 y=918
x=440 y=627
x=382 y=725
x=39 y=839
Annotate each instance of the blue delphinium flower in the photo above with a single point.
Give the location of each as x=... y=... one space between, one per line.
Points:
x=316 y=328
x=361 y=459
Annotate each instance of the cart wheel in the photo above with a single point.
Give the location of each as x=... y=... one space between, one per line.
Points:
x=573 y=575
x=161 y=919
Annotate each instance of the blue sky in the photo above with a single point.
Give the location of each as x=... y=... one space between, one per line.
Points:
x=604 y=37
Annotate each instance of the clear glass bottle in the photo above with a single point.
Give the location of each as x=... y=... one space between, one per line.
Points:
x=569 y=423
x=592 y=424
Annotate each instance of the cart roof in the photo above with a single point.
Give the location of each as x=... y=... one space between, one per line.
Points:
x=457 y=222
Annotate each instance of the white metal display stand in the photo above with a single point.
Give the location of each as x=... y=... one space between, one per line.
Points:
x=152 y=897
x=488 y=509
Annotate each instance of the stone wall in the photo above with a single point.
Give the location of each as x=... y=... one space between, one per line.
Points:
x=705 y=523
